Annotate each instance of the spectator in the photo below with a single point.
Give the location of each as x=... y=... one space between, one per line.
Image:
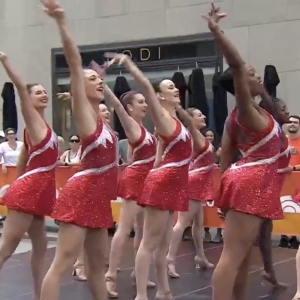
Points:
x=123 y=151
x=10 y=150
x=71 y=157
x=293 y=135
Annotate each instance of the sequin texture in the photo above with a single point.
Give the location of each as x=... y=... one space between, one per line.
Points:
x=34 y=191
x=85 y=198
x=132 y=179
x=248 y=186
x=166 y=186
x=201 y=186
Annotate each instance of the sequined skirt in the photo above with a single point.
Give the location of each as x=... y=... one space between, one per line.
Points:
x=166 y=189
x=131 y=182
x=201 y=186
x=34 y=194
x=85 y=201
x=252 y=190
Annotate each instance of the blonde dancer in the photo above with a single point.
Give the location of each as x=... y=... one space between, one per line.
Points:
x=200 y=189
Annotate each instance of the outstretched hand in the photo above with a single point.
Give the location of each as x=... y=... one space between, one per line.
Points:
x=213 y=17
x=63 y=96
x=3 y=56
x=53 y=9
x=116 y=58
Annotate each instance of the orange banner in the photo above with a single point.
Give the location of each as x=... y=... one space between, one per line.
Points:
x=289 y=226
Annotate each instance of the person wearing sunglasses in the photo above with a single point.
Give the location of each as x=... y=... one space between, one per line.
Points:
x=71 y=157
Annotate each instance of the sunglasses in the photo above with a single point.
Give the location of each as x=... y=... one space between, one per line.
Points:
x=74 y=141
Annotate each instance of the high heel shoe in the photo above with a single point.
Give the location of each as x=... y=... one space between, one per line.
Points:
x=107 y=267
x=171 y=270
x=111 y=287
x=150 y=284
x=166 y=296
x=79 y=275
x=271 y=278
x=203 y=263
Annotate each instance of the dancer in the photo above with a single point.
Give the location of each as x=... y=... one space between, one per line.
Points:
x=27 y=203
x=83 y=206
x=278 y=108
x=256 y=134
x=131 y=110
x=200 y=189
x=281 y=115
x=165 y=189
x=80 y=265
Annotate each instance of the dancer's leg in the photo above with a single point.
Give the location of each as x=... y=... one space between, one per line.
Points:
x=139 y=225
x=95 y=249
x=129 y=210
x=184 y=219
x=241 y=282
x=240 y=231
x=160 y=262
x=197 y=232
x=69 y=243
x=17 y=223
x=38 y=237
x=265 y=247
x=155 y=221
x=79 y=267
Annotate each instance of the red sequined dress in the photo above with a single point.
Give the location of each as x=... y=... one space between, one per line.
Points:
x=132 y=179
x=201 y=174
x=283 y=163
x=248 y=184
x=34 y=192
x=166 y=186
x=85 y=198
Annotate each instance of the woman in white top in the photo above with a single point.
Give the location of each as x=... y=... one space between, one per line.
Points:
x=10 y=150
x=71 y=157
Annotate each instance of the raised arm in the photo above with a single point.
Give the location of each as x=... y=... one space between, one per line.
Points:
x=36 y=126
x=82 y=109
x=198 y=138
x=158 y=114
x=131 y=127
x=244 y=99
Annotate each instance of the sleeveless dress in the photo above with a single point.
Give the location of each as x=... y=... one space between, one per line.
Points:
x=283 y=163
x=166 y=186
x=34 y=192
x=132 y=179
x=85 y=198
x=248 y=185
x=201 y=174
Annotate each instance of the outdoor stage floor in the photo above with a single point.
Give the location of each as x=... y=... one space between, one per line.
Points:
x=16 y=282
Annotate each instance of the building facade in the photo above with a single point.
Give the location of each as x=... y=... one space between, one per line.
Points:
x=162 y=36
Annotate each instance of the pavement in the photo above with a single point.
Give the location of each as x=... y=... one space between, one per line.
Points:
x=16 y=281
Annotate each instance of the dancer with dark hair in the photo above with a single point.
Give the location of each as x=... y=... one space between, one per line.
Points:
x=201 y=189
x=255 y=133
x=166 y=186
x=27 y=202
x=279 y=110
x=131 y=109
